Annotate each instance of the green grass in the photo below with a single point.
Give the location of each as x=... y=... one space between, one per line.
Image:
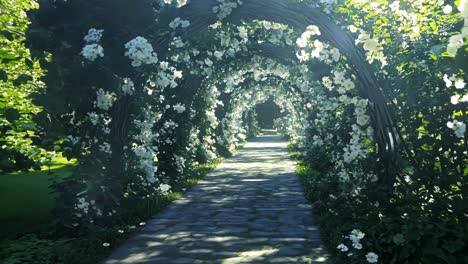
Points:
x=25 y=197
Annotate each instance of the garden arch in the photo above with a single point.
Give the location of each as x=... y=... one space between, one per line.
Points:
x=200 y=14
x=300 y=15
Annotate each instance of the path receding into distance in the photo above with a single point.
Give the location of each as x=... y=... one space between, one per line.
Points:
x=250 y=209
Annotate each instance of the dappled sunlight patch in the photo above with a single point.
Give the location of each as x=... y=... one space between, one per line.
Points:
x=254 y=180
x=253 y=254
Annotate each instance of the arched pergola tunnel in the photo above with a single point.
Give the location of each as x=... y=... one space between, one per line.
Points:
x=207 y=65
x=299 y=16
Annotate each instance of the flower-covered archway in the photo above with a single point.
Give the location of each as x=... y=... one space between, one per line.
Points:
x=159 y=92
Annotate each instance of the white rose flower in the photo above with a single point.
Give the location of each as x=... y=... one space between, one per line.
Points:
x=447 y=9
x=371 y=257
x=92 y=51
x=94 y=35
x=179 y=108
x=140 y=52
x=371 y=45
x=454 y=99
x=460 y=84
x=342 y=247
x=104 y=100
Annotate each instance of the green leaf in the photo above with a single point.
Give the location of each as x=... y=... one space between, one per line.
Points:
x=6 y=55
x=6 y=34
x=453 y=246
x=438 y=49
x=29 y=63
x=11 y=114
x=3 y=75
x=384 y=19
x=22 y=79
x=398 y=239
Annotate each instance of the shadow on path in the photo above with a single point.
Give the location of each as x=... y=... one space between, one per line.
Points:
x=250 y=209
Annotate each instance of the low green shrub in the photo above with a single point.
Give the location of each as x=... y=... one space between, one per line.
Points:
x=405 y=233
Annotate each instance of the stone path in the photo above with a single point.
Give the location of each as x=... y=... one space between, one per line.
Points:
x=248 y=210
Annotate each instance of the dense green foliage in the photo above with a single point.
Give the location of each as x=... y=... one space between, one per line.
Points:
x=414 y=237
x=19 y=80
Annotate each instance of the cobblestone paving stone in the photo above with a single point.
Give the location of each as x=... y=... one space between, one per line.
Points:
x=250 y=209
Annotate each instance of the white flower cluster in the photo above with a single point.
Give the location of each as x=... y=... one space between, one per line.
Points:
x=140 y=52
x=342 y=247
x=179 y=108
x=104 y=100
x=329 y=108
x=128 y=87
x=93 y=118
x=146 y=156
x=82 y=206
x=145 y=149
x=459 y=40
x=167 y=76
x=73 y=140
x=458 y=127
x=179 y=3
x=355 y=150
x=316 y=49
x=164 y=189
x=180 y=163
x=355 y=237
x=457 y=98
x=454 y=81
x=177 y=43
x=208 y=62
x=179 y=22
x=100 y=120
x=373 y=48
x=168 y=128
x=93 y=50
x=458 y=83
x=303 y=41
x=94 y=35
x=218 y=54
x=225 y=8
x=211 y=117
x=243 y=33
x=170 y=124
